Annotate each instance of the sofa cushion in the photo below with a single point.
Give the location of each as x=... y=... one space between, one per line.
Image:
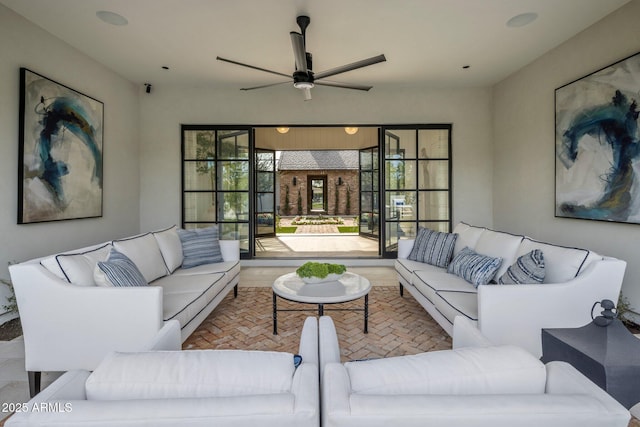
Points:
x=184 y=297
x=227 y=267
x=474 y=267
x=433 y=247
x=528 y=269
x=428 y=282
x=118 y=270
x=78 y=267
x=456 y=303
x=190 y=374
x=170 y=247
x=561 y=263
x=145 y=253
x=464 y=371
x=498 y=244
x=200 y=246
x=468 y=236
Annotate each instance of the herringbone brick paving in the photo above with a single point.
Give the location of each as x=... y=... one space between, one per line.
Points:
x=397 y=326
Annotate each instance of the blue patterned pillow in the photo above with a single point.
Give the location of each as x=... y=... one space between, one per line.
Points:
x=118 y=270
x=529 y=268
x=433 y=247
x=200 y=246
x=473 y=267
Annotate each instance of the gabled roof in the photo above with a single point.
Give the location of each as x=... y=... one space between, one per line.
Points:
x=318 y=160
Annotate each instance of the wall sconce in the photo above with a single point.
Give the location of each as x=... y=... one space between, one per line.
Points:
x=295 y=181
x=339 y=180
x=282 y=130
x=351 y=131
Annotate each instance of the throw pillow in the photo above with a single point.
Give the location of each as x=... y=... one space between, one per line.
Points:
x=473 y=267
x=200 y=246
x=529 y=268
x=118 y=270
x=170 y=247
x=433 y=247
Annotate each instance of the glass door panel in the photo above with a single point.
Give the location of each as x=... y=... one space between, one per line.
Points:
x=317 y=195
x=265 y=220
x=369 y=201
x=417 y=181
x=215 y=180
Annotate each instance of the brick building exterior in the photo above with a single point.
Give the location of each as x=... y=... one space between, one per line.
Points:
x=334 y=174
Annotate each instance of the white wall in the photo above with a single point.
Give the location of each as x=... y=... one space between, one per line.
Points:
x=524 y=144
x=25 y=45
x=166 y=108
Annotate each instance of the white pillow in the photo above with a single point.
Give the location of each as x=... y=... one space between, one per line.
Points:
x=170 y=247
x=467 y=370
x=145 y=253
x=190 y=374
x=78 y=267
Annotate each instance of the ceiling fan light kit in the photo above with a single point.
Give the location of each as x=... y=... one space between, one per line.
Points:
x=303 y=77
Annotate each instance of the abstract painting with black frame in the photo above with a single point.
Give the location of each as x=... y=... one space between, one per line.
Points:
x=598 y=145
x=60 y=156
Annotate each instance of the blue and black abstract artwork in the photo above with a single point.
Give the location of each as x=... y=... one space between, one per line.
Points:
x=60 y=150
x=598 y=145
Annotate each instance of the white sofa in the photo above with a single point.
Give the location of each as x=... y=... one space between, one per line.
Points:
x=70 y=323
x=469 y=386
x=186 y=388
x=513 y=314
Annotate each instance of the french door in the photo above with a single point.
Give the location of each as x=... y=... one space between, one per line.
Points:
x=369 y=192
x=265 y=194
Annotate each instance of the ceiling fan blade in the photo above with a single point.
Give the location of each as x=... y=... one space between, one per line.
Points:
x=342 y=85
x=262 y=86
x=352 y=66
x=252 y=67
x=297 y=41
x=307 y=94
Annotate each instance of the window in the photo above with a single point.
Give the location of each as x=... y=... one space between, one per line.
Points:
x=215 y=181
x=417 y=181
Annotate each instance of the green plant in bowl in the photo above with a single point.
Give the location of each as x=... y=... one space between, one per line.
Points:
x=314 y=272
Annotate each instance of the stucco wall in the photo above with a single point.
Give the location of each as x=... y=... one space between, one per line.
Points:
x=162 y=112
x=524 y=144
x=25 y=45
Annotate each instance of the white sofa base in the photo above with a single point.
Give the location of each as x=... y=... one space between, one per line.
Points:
x=69 y=326
x=66 y=400
x=513 y=314
x=569 y=399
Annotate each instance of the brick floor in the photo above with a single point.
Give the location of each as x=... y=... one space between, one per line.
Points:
x=397 y=326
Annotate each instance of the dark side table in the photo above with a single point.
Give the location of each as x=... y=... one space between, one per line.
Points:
x=609 y=356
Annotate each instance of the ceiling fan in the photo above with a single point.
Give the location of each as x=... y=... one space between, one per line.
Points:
x=303 y=77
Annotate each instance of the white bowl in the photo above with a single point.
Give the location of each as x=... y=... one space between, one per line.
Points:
x=330 y=278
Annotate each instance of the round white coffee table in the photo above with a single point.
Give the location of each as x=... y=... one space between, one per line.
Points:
x=349 y=287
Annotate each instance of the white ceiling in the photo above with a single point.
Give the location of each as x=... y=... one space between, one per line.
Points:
x=426 y=42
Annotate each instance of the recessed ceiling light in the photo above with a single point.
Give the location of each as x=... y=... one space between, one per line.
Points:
x=111 y=17
x=522 y=20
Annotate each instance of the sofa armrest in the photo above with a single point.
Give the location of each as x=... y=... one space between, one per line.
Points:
x=335 y=391
x=306 y=389
x=73 y=327
x=467 y=334
x=230 y=250
x=167 y=339
x=308 y=348
x=516 y=314
x=329 y=348
x=404 y=247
